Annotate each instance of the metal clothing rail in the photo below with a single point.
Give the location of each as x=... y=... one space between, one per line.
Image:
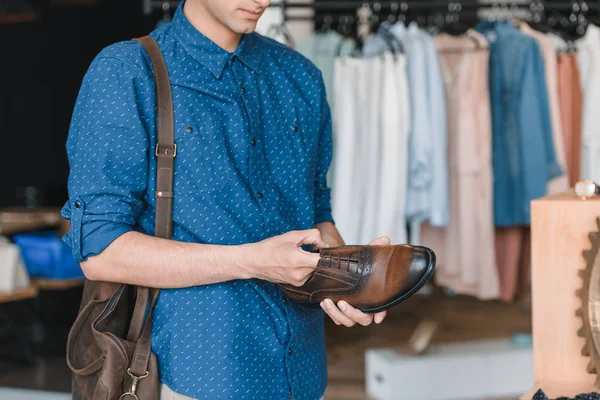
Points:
x=352 y=5
x=442 y=5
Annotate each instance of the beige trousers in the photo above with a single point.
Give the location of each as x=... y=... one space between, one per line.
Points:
x=168 y=394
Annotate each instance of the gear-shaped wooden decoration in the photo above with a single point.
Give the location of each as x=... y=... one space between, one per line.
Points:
x=590 y=300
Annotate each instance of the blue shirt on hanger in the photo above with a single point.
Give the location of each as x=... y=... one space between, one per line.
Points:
x=523 y=151
x=253 y=135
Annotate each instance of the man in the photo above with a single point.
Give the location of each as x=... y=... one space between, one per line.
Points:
x=253 y=135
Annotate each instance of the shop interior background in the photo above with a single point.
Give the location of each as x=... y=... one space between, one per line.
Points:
x=47 y=46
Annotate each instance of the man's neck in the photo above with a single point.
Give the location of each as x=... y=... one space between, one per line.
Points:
x=204 y=22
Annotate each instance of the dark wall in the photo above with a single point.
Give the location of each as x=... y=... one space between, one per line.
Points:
x=42 y=64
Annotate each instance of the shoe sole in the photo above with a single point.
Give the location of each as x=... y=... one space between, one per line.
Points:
x=422 y=282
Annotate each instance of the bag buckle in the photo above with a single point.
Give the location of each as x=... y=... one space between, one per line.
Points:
x=134 y=384
x=165 y=150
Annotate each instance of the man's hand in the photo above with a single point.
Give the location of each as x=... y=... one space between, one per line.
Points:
x=343 y=313
x=280 y=259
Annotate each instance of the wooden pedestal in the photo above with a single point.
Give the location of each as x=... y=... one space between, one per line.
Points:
x=559 y=231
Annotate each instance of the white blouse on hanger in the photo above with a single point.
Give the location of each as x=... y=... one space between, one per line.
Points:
x=588 y=58
x=370 y=147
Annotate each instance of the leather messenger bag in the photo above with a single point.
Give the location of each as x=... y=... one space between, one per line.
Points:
x=109 y=348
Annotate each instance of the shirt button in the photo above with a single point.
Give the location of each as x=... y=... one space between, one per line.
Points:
x=243 y=89
x=295 y=128
x=260 y=195
x=284 y=301
x=189 y=129
x=77 y=204
x=233 y=58
x=290 y=351
x=253 y=142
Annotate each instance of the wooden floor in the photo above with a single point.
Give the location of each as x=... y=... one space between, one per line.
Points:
x=459 y=318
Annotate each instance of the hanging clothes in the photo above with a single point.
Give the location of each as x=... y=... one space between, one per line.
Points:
x=390 y=180
x=571 y=108
x=371 y=123
x=524 y=156
x=350 y=98
x=465 y=249
x=322 y=48
x=588 y=57
x=523 y=146
x=427 y=196
x=513 y=257
x=436 y=110
x=560 y=183
x=420 y=156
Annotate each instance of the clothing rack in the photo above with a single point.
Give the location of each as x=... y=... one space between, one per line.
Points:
x=557 y=13
x=352 y=5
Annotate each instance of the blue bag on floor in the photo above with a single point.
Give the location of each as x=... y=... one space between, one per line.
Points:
x=46 y=256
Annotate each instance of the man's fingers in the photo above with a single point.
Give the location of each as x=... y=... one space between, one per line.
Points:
x=379 y=317
x=355 y=314
x=312 y=236
x=382 y=241
x=336 y=315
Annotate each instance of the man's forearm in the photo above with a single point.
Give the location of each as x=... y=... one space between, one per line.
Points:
x=139 y=259
x=330 y=234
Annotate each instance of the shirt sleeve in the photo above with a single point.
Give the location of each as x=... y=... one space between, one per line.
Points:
x=107 y=149
x=324 y=157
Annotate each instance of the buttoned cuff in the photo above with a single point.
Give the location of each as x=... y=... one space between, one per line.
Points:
x=97 y=235
x=92 y=237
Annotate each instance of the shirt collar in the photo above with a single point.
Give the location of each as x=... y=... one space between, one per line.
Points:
x=208 y=53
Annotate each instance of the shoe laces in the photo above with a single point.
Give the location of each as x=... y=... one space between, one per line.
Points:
x=348 y=261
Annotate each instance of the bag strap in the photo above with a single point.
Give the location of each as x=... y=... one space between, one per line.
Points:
x=166 y=149
x=140 y=327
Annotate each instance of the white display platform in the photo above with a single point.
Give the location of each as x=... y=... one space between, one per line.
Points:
x=20 y=394
x=459 y=371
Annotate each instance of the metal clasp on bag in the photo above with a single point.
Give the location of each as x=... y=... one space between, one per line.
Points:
x=134 y=384
x=159 y=151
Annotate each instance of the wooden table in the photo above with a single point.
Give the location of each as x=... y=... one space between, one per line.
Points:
x=23 y=294
x=57 y=284
x=20 y=219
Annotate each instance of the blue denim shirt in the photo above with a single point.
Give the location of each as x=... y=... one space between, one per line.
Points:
x=523 y=151
x=253 y=135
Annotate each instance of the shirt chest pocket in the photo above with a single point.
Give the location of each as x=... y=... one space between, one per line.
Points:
x=202 y=164
x=294 y=150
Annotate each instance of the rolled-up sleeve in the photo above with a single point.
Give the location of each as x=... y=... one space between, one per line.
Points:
x=324 y=157
x=107 y=149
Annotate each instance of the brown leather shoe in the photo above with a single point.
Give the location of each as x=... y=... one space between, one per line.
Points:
x=370 y=278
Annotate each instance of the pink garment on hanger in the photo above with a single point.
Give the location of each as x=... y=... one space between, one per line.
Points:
x=513 y=254
x=465 y=249
x=571 y=105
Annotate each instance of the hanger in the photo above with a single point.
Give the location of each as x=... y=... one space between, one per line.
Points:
x=452 y=23
x=574 y=26
x=395 y=45
x=326 y=25
x=281 y=28
x=537 y=19
x=345 y=29
x=394 y=12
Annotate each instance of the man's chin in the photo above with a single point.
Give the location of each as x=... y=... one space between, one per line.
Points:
x=244 y=27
